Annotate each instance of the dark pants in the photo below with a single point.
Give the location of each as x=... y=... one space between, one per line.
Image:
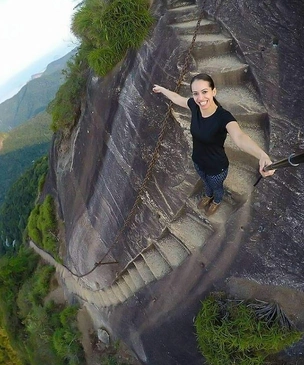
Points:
x=214 y=184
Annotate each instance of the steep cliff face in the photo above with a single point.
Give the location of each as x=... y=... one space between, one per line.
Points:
x=169 y=256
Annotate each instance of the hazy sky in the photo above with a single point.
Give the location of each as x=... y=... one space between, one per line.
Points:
x=30 y=29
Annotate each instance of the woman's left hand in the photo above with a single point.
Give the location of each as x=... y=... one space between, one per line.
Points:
x=265 y=161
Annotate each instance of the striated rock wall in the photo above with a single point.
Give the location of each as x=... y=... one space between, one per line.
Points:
x=99 y=170
x=254 y=248
x=270 y=37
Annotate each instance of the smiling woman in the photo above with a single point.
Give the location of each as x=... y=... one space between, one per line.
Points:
x=30 y=30
x=210 y=123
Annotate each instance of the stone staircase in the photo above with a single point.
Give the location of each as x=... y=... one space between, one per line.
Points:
x=214 y=53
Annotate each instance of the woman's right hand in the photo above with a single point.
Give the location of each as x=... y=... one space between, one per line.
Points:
x=157 y=88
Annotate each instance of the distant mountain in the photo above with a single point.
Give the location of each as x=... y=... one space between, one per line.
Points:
x=34 y=97
x=34 y=131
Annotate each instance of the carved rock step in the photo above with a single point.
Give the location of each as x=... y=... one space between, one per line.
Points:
x=124 y=287
x=156 y=262
x=220 y=216
x=144 y=270
x=239 y=100
x=256 y=134
x=111 y=296
x=253 y=120
x=248 y=163
x=238 y=157
x=101 y=299
x=206 y=26
x=180 y=3
x=182 y=14
x=152 y=264
x=241 y=178
x=225 y=70
x=209 y=45
x=130 y=281
x=191 y=231
x=173 y=250
x=118 y=293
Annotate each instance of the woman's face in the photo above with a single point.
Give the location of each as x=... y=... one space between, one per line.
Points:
x=203 y=94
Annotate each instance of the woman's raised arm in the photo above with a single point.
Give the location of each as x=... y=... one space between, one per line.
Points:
x=171 y=95
x=246 y=144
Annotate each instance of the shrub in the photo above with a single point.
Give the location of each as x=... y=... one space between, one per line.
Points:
x=14 y=271
x=65 y=107
x=38 y=338
x=33 y=231
x=7 y=354
x=229 y=332
x=68 y=316
x=34 y=290
x=106 y=30
x=66 y=338
x=18 y=203
x=114 y=28
x=42 y=226
x=111 y=360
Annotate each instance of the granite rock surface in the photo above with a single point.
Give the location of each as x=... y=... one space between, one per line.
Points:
x=253 y=250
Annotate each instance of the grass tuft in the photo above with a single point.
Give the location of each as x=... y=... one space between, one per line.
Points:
x=105 y=30
x=233 y=332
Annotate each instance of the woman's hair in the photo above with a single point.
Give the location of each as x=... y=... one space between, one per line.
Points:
x=205 y=77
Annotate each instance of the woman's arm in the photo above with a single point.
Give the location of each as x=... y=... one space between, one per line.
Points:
x=171 y=95
x=246 y=144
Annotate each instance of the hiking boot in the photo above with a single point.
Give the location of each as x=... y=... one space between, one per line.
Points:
x=212 y=208
x=204 y=202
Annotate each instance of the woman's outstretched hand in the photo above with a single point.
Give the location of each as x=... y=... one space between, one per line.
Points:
x=157 y=88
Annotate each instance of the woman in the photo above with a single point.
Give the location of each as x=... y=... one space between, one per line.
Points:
x=210 y=123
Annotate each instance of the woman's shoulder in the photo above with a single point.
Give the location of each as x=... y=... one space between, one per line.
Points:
x=225 y=114
x=191 y=103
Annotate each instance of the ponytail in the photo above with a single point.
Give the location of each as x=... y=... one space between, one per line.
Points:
x=216 y=101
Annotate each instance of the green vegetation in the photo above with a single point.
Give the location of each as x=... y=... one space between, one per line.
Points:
x=232 y=332
x=106 y=30
x=18 y=203
x=14 y=271
x=65 y=108
x=34 y=325
x=14 y=164
x=112 y=360
x=116 y=353
x=34 y=290
x=66 y=337
x=7 y=355
x=21 y=147
x=34 y=131
x=42 y=226
x=51 y=338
